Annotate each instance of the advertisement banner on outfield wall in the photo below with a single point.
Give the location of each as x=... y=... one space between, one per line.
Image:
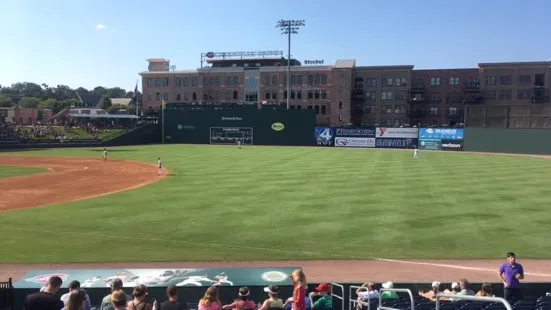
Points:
x=325 y=136
x=354 y=142
x=395 y=143
x=360 y=132
x=442 y=133
x=452 y=145
x=432 y=144
x=387 y=132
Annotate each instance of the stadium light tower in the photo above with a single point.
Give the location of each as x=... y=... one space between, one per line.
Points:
x=289 y=27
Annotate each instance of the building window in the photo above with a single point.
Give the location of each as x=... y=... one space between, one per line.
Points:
x=323 y=82
x=274 y=94
x=452 y=111
x=316 y=94
x=369 y=109
x=299 y=94
x=433 y=111
x=434 y=81
x=317 y=79
x=293 y=79
x=193 y=81
x=186 y=96
x=386 y=95
x=399 y=109
x=310 y=79
x=524 y=79
x=267 y=95
x=251 y=81
x=157 y=96
x=150 y=82
x=228 y=95
x=401 y=81
x=299 y=107
x=323 y=94
x=389 y=81
x=165 y=96
x=317 y=109
x=274 y=80
x=323 y=109
x=504 y=94
x=491 y=80
x=386 y=109
x=506 y=80
x=454 y=81
x=285 y=79
x=472 y=83
x=454 y=97
x=185 y=82
x=178 y=82
x=401 y=95
x=370 y=95
x=194 y=96
x=268 y=80
x=524 y=94
x=178 y=97
x=235 y=80
x=359 y=83
x=205 y=96
x=299 y=82
x=371 y=82
x=217 y=80
x=235 y=95
x=310 y=94
x=285 y=94
x=229 y=80
x=150 y=96
x=490 y=94
x=310 y=107
x=293 y=94
x=251 y=96
x=434 y=97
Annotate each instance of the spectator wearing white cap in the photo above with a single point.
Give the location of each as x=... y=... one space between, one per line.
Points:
x=389 y=294
x=435 y=289
x=273 y=300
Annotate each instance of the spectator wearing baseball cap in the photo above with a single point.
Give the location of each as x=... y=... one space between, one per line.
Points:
x=74 y=287
x=172 y=303
x=273 y=300
x=325 y=301
x=116 y=285
x=388 y=294
x=242 y=302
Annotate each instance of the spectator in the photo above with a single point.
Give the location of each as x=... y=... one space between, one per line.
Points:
x=242 y=302
x=116 y=285
x=139 y=302
x=326 y=300
x=172 y=303
x=119 y=300
x=74 y=287
x=77 y=300
x=367 y=292
x=389 y=294
x=299 y=291
x=485 y=291
x=45 y=299
x=435 y=289
x=273 y=300
x=464 y=286
x=510 y=274
x=210 y=300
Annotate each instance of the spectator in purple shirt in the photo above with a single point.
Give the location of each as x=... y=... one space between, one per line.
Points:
x=510 y=273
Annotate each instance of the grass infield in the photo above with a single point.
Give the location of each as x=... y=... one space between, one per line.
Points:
x=8 y=172
x=283 y=203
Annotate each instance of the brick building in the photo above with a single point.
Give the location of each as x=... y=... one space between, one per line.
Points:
x=344 y=93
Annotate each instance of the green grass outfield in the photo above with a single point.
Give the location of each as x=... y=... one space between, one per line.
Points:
x=8 y=172
x=283 y=203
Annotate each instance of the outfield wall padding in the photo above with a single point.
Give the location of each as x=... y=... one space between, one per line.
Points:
x=254 y=126
x=500 y=140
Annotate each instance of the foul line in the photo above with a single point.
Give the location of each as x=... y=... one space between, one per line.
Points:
x=453 y=266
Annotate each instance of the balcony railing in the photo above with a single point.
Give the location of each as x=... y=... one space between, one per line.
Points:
x=416 y=99
x=472 y=99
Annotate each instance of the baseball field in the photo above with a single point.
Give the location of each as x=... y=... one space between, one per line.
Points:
x=218 y=203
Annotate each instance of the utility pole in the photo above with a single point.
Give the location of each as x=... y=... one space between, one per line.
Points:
x=289 y=27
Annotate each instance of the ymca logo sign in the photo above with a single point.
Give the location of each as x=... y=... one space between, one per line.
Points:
x=404 y=133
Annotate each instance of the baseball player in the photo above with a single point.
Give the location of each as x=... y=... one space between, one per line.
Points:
x=238 y=144
x=159 y=166
x=415 y=152
x=104 y=155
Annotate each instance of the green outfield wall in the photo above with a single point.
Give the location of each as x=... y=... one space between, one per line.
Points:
x=500 y=140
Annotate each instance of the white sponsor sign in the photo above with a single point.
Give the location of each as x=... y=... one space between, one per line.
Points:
x=354 y=142
x=407 y=133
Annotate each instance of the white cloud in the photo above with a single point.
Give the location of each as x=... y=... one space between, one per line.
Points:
x=101 y=27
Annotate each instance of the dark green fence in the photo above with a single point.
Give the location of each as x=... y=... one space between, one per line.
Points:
x=501 y=140
x=250 y=125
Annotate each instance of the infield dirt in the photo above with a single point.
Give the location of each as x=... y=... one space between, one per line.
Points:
x=73 y=179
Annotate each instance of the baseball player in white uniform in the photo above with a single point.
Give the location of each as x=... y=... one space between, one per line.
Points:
x=104 y=155
x=415 y=152
x=238 y=144
x=159 y=166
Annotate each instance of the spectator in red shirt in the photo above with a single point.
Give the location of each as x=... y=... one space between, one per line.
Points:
x=299 y=291
x=242 y=302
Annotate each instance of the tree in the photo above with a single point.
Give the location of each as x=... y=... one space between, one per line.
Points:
x=115 y=108
x=5 y=101
x=105 y=103
x=29 y=102
x=47 y=104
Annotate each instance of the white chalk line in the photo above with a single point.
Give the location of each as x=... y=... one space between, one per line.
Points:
x=453 y=266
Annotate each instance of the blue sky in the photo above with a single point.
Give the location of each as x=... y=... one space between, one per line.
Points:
x=58 y=42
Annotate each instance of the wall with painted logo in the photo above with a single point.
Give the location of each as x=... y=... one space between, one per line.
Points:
x=499 y=140
x=395 y=143
x=248 y=125
x=396 y=138
x=445 y=139
x=355 y=137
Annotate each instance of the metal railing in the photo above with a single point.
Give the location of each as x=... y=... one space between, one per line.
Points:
x=472 y=298
x=341 y=297
x=352 y=302
x=397 y=290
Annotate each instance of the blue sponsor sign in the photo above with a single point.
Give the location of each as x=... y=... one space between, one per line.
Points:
x=442 y=133
x=325 y=136
x=359 y=132
x=395 y=143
